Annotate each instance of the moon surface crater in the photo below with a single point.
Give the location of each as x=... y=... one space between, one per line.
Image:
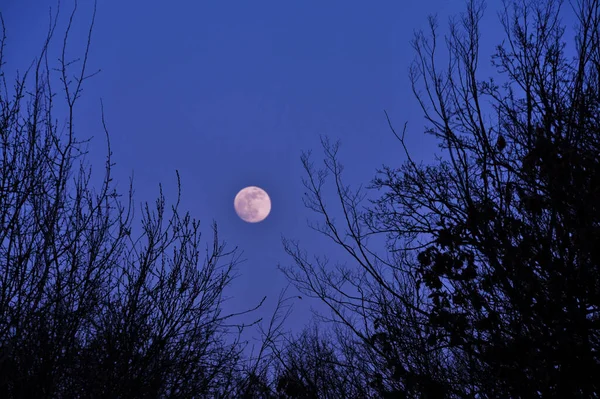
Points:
x=252 y=204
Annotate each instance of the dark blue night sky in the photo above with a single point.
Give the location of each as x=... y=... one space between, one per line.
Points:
x=231 y=92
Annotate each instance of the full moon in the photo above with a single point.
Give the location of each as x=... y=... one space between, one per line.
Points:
x=252 y=204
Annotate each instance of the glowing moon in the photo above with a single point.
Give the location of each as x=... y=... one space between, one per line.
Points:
x=252 y=204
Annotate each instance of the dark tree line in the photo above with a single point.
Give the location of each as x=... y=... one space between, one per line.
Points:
x=86 y=308
x=475 y=276
x=489 y=284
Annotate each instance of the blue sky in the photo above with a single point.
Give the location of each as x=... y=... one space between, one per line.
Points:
x=231 y=92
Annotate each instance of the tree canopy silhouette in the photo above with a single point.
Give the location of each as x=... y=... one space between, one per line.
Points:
x=87 y=308
x=486 y=285
x=489 y=284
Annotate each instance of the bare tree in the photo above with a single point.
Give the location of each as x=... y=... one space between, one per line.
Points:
x=376 y=307
x=87 y=310
x=490 y=284
x=322 y=364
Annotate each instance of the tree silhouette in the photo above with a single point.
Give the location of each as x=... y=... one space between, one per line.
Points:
x=489 y=285
x=86 y=309
x=473 y=277
x=312 y=365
